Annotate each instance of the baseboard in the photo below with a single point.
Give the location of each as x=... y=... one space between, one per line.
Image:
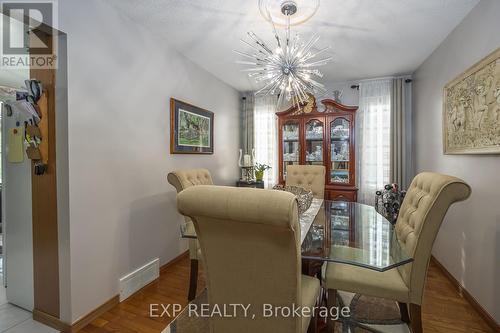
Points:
x=462 y=291
x=96 y=313
x=175 y=260
x=80 y=323
x=59 y=325
x=51 y=321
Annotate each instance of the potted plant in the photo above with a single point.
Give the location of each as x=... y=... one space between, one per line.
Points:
x=259 y=171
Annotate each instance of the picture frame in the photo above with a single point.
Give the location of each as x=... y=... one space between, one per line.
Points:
x=471 y=109
x=191 y=129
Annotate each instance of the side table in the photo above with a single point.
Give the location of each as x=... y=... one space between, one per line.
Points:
x=253 y=183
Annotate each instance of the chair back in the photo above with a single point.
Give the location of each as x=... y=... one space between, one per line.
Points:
x=422 y=212
x=182 y=179
x=310 y=177
x=250 y=241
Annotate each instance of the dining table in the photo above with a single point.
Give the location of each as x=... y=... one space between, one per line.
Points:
x=343 y=232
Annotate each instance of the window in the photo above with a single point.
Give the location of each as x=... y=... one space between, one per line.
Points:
x=373 y=138
x=265 y=136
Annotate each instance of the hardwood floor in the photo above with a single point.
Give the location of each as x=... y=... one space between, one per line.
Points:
x=444 y=310
x=132 y=315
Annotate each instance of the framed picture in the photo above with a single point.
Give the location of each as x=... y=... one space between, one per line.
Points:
x=471 y=109
x=191 y=129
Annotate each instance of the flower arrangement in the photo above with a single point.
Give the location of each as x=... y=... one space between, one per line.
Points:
x=259 y=171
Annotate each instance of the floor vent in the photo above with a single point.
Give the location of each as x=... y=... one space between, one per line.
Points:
x=132 y=282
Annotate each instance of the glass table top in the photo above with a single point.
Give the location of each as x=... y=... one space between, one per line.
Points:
x=347 y=232
x=355 y=234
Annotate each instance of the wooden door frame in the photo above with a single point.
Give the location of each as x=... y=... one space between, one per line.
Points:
x=44 y=204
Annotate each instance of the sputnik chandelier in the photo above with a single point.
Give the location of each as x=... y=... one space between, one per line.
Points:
x=290 y=69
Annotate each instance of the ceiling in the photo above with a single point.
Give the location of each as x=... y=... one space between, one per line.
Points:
x=368 y=38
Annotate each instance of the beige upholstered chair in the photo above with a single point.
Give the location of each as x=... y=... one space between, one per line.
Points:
x=310 y=177
x=250 y=241
x=181 y=180
x=423 y=209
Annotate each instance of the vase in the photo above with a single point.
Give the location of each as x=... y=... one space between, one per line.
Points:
x=259 y=175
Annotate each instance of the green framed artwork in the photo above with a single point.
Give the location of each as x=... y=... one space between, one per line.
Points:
x=191 y=129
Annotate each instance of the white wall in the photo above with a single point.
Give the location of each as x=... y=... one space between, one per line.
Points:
x=349 y=96
x=62 y=160
x=122 y=210
x=469 y=240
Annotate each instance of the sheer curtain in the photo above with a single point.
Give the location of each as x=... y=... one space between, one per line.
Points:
x=265 y=136
x=373 y=138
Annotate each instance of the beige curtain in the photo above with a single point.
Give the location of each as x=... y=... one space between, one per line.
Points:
x=401 y=164
x=247 y=123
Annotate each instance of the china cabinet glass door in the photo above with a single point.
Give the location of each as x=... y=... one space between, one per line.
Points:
x=291 y=145
x=314 y=142
x=340 y=223
x=340 y=137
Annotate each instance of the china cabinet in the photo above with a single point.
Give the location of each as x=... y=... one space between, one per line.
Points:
x=321 y=136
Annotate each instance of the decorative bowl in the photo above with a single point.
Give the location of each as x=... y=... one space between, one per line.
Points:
x=304 y=197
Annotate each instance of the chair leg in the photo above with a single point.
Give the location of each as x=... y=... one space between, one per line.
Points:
x=313 y=325
x=403 y=309
x=330 y=303
x=193 y=280
x=416 y=318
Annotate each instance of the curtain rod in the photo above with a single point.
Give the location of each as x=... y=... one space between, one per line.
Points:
x=356 y=86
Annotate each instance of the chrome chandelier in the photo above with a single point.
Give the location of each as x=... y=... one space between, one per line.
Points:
x=290 y=69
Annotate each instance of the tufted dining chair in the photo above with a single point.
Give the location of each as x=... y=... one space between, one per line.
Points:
x=310 y=177
x=420 y=217
x=181 y=180
x=250 y=241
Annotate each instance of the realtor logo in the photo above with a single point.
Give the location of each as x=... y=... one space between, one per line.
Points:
x=27 y=38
